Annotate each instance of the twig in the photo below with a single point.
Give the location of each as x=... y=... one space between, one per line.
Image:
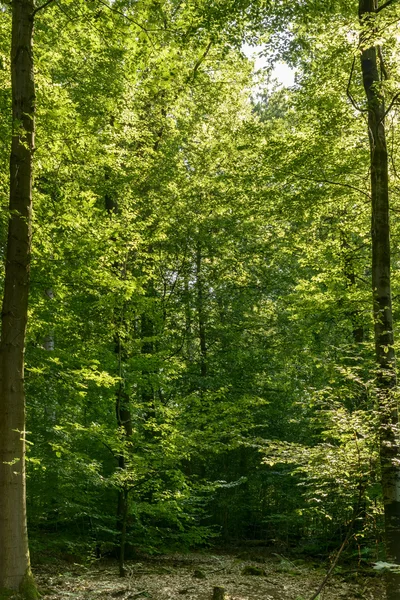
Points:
x=348 y=534
x=333 y=565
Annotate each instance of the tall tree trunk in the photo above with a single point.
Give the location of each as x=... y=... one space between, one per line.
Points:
x=122 y=404
x=14 y=552
x=381 y=290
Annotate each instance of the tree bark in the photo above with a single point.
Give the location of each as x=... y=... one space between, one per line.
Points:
x=381 y=291
x=14 y=552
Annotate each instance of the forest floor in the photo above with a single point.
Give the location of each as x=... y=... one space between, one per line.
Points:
x=193 y=577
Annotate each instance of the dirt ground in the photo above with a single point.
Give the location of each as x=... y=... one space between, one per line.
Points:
x=194 y=576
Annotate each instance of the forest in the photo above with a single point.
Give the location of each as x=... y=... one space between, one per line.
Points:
x=200 y=283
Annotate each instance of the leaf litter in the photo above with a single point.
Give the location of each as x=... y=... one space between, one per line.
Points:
x=177 y=576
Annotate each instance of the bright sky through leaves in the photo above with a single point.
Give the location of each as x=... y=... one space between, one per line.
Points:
x=281 y=72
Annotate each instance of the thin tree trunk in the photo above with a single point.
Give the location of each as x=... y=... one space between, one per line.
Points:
x=147 y=336
x=14 y=552
x=200 y=313
x=124 y=421
x=354 y=315
x=48 y=342
x=124 y=521
x=148 y=350
x=122 y=403
x=188 y=318
x=381 y=289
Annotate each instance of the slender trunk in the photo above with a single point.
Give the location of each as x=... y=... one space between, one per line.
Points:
x=354 y=315
x=188 y=318
x=14 y=552
x=200 y=313
x=122 y=404
x=147 y=386
x=124 y=420
x=124 y=521
x=48 y=342
x=381 y=290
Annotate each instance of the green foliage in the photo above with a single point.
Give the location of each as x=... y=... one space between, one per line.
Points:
x=200 y=264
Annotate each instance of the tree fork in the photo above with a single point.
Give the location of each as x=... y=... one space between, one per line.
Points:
x=15 y=575
x=381 y=291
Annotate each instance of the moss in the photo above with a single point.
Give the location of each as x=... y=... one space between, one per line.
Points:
x=27 y=588
x=6 y=594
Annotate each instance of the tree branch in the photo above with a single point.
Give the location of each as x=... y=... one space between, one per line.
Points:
x=387 y=3
x=391 y=105
x=349 y=95
x=42 y=6
x=201 y=59
x=330 y=182
x=119 y=12
x=146 y=31
x=382 y=63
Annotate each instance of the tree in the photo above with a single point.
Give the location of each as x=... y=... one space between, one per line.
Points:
x=373 y=74
x=310 y=50
x=220 y=304
x=14 y=553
